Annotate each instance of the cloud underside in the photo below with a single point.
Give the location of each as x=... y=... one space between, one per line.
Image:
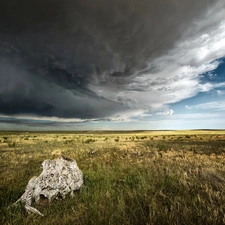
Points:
x=106 y=60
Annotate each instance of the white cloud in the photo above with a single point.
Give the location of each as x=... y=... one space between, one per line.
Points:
x=196 y=115
x=214 y=105
x=166 y=113
x=220 y=93
x=128 y=116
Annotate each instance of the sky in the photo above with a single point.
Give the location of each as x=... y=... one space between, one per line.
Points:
x=112 y=65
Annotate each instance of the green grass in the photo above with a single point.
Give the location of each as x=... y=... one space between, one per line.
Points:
x=154 y=178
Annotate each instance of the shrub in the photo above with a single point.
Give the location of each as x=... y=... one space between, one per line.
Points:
x=11 y=144
x=89 y=141
x=143 y=137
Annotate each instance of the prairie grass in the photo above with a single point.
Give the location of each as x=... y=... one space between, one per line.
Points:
x=167 y=177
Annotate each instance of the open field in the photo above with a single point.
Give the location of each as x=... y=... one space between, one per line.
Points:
x=141 y=177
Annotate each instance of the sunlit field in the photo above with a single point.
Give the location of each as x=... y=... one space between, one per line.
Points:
x=140 y=177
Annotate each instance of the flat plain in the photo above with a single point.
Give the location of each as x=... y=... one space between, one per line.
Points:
x=130 y=177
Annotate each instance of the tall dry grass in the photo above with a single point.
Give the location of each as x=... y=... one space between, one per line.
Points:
x=129 y=178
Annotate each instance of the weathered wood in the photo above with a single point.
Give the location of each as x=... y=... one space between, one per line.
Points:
x=60 y=176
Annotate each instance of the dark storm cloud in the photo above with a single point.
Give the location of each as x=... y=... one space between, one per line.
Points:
x=33 y=123
x=53 y=52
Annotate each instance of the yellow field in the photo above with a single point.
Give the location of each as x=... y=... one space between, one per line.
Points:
x=138 y=177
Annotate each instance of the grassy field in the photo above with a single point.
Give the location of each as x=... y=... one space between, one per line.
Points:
x=141 y=177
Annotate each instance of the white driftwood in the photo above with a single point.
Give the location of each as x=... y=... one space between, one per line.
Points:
x=60 y=176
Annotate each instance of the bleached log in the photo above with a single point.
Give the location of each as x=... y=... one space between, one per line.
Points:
x=60 y=176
